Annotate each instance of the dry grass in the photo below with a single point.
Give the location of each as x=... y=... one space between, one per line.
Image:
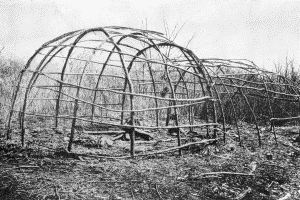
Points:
x=9 y=70
x=212 y=172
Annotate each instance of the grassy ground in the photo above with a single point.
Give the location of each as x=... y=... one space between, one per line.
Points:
x=218 y=171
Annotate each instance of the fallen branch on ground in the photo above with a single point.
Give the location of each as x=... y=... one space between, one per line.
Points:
x=103 y=132
x=207 y=141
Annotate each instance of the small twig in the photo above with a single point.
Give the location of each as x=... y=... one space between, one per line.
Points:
x=132 y=194
x=222 y=173
x=222 y=157
x=243 y=194
x=156 y=188
x=290 y=145
x=287 y=196
x=108 y=181
x=28 y=166
x=40 y=189
x=56 y=193
x=19 y=167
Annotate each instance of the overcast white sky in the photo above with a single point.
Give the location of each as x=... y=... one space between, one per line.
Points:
x=264 y=31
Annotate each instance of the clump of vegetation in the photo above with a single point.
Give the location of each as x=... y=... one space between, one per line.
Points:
x=9 y=71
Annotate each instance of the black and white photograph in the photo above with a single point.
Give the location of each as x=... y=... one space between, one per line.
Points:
x=149 y=100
